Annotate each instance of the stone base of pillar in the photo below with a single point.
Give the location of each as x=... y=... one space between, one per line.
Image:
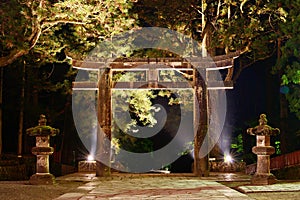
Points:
x=263 y=179
x=42 y=179
x=102 y=170
x=205 y=173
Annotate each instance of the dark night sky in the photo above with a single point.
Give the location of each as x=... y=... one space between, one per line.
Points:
x=256 y=91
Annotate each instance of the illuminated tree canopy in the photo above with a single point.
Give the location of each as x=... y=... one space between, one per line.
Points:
x=50 y=27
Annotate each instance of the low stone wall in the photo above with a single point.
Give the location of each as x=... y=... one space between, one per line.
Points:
x=13 y=172
x=219 y=166
x=87 y=166
x=251 y=169
x=14 y=168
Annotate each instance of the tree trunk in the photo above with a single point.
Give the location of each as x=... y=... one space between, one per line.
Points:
x=21 y=119
x=283 y=123
x=13 y=56
x=1 y=89
x=283 y=109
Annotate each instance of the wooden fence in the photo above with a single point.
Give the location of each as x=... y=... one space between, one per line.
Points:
x=279 y=162
x=286 y=160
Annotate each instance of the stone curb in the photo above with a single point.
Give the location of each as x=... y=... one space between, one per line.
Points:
x=282 y=187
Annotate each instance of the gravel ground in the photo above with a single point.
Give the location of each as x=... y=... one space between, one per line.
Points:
x=22 y=190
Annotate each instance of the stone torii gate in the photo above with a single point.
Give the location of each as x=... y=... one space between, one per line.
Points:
x=198 y=70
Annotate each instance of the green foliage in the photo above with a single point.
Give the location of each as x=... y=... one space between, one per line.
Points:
x=126 y=76
x=171 y=76
x=13 y=25
x=122 y=140
x=182 y=97
x=237 y=143
x=52 y=27
x=49 y=30
x=257 y=28
x=42 y=130
x=84 y=115
x=293 y=98
x=277 y=148
x=138 y=104
x=251 y=25
x=115 y=144
x=232 y=25
x=288 y=64
x=180 y=15
x=189 y=147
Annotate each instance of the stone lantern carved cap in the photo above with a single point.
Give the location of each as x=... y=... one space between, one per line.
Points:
x=42 y=120
x=263 y=128
x=42 y=129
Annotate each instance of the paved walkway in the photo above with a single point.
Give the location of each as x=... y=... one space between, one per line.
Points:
x=151 y=187
x=181 y=186
x=278 y=187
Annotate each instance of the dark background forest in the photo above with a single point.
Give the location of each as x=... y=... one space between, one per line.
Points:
x=38 y=37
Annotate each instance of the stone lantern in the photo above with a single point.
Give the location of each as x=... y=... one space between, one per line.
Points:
x=263 y=150
x=42 y=150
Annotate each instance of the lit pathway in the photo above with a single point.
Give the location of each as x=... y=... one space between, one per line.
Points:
x=153 y=187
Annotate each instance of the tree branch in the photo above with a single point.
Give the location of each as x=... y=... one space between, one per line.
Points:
x=242 y=67
x=35 y=38
x=62 y=21
x=6 y=60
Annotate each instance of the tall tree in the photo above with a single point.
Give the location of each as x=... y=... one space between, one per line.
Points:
x=48 y=27
x=288 y=69
x=51 y=30
x=288 y=64
x=1 y=110
x=249 y=26
x=21 y=115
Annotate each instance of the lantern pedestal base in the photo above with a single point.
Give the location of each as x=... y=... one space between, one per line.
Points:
x=263 y=179
x=42 y=179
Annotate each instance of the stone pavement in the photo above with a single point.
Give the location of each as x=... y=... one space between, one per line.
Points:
x=180 y=186
x=151 y=187
x=278 y=187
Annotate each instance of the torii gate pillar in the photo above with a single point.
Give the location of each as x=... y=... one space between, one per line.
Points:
x=200 y=123
x=104 y=119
